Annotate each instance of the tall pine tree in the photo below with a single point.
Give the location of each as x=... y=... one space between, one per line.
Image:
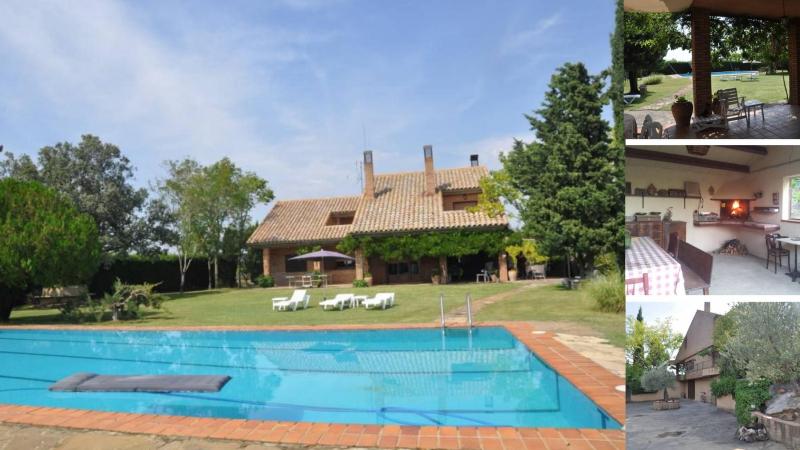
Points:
x=570 y=177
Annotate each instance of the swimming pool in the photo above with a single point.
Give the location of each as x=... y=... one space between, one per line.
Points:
x=719 y=74
x=407 y=377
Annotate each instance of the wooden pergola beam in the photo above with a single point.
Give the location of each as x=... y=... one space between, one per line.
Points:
x=650 y=155
x=754 y=149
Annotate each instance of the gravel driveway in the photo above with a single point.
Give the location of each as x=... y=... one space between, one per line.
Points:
x=695 y=425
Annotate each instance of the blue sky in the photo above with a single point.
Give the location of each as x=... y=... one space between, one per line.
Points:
x=289 y=89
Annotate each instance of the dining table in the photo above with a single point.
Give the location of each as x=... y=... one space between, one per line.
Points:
x=664 y=274
x=795 y=241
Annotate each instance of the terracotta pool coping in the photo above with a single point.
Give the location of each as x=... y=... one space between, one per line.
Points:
x=593 y=380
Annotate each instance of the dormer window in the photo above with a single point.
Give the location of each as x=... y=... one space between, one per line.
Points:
x=459 y=201
x=340 y=218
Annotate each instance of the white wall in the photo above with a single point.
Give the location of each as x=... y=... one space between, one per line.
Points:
x=766 y=175
x=641 y=173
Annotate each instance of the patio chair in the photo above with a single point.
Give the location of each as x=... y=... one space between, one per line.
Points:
x=631 y=283
x=651 y=129
x=630 y=129
x=732 y=106
x=482 y=276
x=381 y=300
x=298 y=300
x=776 y=252
x=339 y=301
x=536 y=271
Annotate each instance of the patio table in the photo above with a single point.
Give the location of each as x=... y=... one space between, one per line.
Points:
x=753 y=105
x=796 y=242
x=663 y=271
x=359 y=299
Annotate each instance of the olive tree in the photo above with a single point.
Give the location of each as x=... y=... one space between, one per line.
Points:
x=44 y=241
x=657 y=379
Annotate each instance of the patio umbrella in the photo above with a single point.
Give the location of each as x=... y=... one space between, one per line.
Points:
x=321 y=255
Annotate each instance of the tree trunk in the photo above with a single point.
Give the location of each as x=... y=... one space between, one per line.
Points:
x=9 y=298
x=634 y=82
x=210 y=274
x=666 y=395
x=216 y=271
x=183 y=280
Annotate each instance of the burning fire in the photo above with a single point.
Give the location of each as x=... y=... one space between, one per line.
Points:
x=736 y=209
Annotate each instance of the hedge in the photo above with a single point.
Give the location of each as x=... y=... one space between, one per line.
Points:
x=162 y=270
x=681 y=67
x=750 y=396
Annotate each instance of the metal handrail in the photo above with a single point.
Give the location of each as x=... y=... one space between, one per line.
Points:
x=441 y=309
x=469 y=310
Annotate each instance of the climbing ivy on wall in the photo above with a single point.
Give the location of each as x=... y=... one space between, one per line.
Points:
x=431 y=244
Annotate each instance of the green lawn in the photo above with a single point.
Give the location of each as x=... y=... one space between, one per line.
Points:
x=553 y=303
x=414 y=304
x=768 y=89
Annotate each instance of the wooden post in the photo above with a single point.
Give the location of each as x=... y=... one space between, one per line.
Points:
x=443 y=269
x=360 y=263
x=701 y=60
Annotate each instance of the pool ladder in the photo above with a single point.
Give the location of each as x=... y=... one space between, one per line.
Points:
x=468 y=299
x=441 y=309
x=469 y=311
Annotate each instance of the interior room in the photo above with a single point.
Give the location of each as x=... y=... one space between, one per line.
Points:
x=712 y=219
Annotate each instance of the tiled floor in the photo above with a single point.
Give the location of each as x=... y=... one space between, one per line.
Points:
x=593 y=380
x=780 y=121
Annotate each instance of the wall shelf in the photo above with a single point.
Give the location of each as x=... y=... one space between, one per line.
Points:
x=643 y=196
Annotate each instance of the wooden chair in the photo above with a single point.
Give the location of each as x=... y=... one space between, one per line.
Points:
x=631 y=283
x=732 y=105
x=672 y=245
x=776 y=252
x=696 y=266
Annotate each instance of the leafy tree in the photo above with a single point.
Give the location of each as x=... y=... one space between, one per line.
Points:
x=44 y=241
x=570 y=178
x=618 y=72
x=657 y=379
x=766 y=341
x=127 y=300
x=96 y=177
x=174 y=213
x=650 y=345
x=648 y=37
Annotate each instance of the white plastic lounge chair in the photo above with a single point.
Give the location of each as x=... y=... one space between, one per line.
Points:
x=341 y=301
x=381 y=300
x=298 y=300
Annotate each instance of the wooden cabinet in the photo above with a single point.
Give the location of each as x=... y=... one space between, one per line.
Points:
x=653 y=230
x=657 y=231
x=674 y=227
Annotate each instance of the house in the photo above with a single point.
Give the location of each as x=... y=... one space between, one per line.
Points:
x=724 y=200
x=391 y=204
x=697 y=361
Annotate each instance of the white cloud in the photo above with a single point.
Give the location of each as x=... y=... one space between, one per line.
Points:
x=524 y=40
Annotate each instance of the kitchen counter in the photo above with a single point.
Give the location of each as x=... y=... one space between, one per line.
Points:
x=761 y=226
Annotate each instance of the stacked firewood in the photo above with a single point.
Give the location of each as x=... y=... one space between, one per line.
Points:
x=733 y=247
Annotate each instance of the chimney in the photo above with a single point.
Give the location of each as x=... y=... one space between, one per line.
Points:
x=707 y=306
x=430 y=176
x=369 y=176
x=473 y=160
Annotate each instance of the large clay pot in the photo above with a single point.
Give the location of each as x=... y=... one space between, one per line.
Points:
x=682 y=112
x=512 y=275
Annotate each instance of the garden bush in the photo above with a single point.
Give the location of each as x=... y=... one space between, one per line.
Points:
x=750 y=396
x=651 y=80
x=607 y=291
x=724 y=385
x=360 y=283
x=265 y=281
x=159 y=270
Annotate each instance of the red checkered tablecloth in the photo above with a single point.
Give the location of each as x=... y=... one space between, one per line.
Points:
x=664 y=274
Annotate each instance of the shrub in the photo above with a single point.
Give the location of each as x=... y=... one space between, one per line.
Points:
x=265 y=281
x=360 y=283
x=607 y=291
x=724 y=385
x=750 y=396
x=651 y=80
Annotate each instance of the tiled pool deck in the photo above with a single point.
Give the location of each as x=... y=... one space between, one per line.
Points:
x=590 y=378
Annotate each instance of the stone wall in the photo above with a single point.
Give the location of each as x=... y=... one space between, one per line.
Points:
x=779 y=430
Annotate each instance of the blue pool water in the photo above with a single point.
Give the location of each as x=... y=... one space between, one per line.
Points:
x=419 y=377
x=727 y=72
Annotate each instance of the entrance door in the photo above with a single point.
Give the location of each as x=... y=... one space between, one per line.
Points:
x=691 y=390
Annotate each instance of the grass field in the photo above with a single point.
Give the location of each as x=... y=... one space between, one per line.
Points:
x=768 y=89
x=414 y=304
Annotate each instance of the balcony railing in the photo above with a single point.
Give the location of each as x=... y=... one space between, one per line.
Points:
x=703 y=369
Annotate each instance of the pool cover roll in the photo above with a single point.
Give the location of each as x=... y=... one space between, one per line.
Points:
x=91 y=382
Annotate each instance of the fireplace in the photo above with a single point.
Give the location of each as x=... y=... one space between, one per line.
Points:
x=734 y=209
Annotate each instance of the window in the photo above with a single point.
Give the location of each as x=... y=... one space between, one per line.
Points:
x=345 y=264
x=794 y=198
x=296 y=265
x=340 y=218
x=459 y=201
x=461 y=206
x=402 y=268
